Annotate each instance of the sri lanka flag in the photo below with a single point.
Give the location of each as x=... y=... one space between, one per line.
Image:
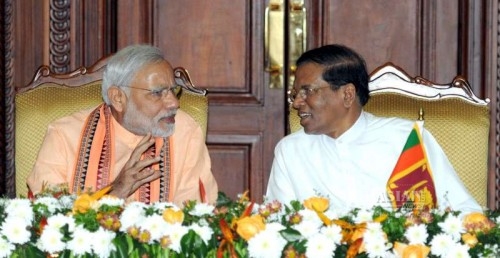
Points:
x=412 y=180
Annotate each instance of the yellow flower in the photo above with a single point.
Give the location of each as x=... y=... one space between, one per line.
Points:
x=469 y=239
x=411 y=251
x=248 y=227
x=319 y=204
x=84 y=202
x=173 y=216
x=477 y=222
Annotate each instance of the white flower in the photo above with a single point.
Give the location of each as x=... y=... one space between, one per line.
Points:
x=176 y=232
x=101 y=242
x=66 y=201
x=20 y=208
x=320 y=245
x=363 y=216
x=274 y=227
x=373 y=230
x=452 y=225
x=6 y=247
x=374 y=240
x=16 y=229
x=133 y=213
x=204 y=232
x=59 y=220
x=155 y=225
x=201 y=209
x=79 y=243
x=311 y=216
x=51 y=240
x=164 y=205
x=274 y=217
x=438 y=212
x=416 y=234
x=266 y=244
x=376 y=247
x=458 y=251
x=441 y=244
x=50 y=202
x=203 y=222
x=111 y=201
x=307 y=228
x=333 y=232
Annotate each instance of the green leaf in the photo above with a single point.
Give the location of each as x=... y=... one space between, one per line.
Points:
x=290 y=234
x=122 y=245
x=192 y=244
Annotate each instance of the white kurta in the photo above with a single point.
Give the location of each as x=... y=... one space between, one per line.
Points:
x=353 y=169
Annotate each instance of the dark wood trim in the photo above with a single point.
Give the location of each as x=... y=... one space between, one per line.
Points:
x=492 y=84
x=7 y=173
x=427 y=43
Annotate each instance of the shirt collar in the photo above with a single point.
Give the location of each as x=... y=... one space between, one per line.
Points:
x=356 y=130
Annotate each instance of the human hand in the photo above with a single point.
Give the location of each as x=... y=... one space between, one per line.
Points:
x=136 y=172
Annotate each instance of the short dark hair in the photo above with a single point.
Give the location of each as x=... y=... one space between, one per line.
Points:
x=342 y=66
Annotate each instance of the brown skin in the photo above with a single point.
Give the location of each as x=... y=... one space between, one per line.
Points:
x=137 y=172
x=325 y=111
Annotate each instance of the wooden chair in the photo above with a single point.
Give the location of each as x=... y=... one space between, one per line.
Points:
x=453 y=114
x=50 y=96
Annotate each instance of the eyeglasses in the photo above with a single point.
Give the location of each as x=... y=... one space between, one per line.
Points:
x=303 y=92
x=160 y=92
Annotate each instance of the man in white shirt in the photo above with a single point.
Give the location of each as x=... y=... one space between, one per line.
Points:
x=343 y=152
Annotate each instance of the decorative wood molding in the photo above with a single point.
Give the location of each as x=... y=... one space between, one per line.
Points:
x=7 y=172
x=496 y=194
x=60 y=39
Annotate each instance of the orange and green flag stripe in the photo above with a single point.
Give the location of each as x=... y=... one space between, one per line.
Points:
x=411 y=179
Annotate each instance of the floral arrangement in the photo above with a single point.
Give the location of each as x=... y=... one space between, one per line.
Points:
x=58 y=224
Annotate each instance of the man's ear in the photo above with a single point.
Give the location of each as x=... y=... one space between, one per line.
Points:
x=117 y=98
x=349 y=94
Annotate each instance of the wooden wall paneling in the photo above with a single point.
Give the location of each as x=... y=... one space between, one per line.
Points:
x=439 y=45
x=62 y=34
x=135 y=22
x=31 y=38
x=492 y=86
x=93 y=31
x=381 y=31
x=241 y=152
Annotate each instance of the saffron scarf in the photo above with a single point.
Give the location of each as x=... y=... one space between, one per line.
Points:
x=95 y=162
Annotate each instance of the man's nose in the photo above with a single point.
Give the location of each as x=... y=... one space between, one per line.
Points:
x=298 y=101
x=170 y=100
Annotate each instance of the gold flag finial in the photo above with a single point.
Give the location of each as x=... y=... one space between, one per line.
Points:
x=421 y=114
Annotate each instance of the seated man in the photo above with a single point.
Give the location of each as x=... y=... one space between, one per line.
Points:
x=137 y=141
x=347 y=154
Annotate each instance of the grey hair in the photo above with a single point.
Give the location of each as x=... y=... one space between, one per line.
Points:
x=122 y=66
